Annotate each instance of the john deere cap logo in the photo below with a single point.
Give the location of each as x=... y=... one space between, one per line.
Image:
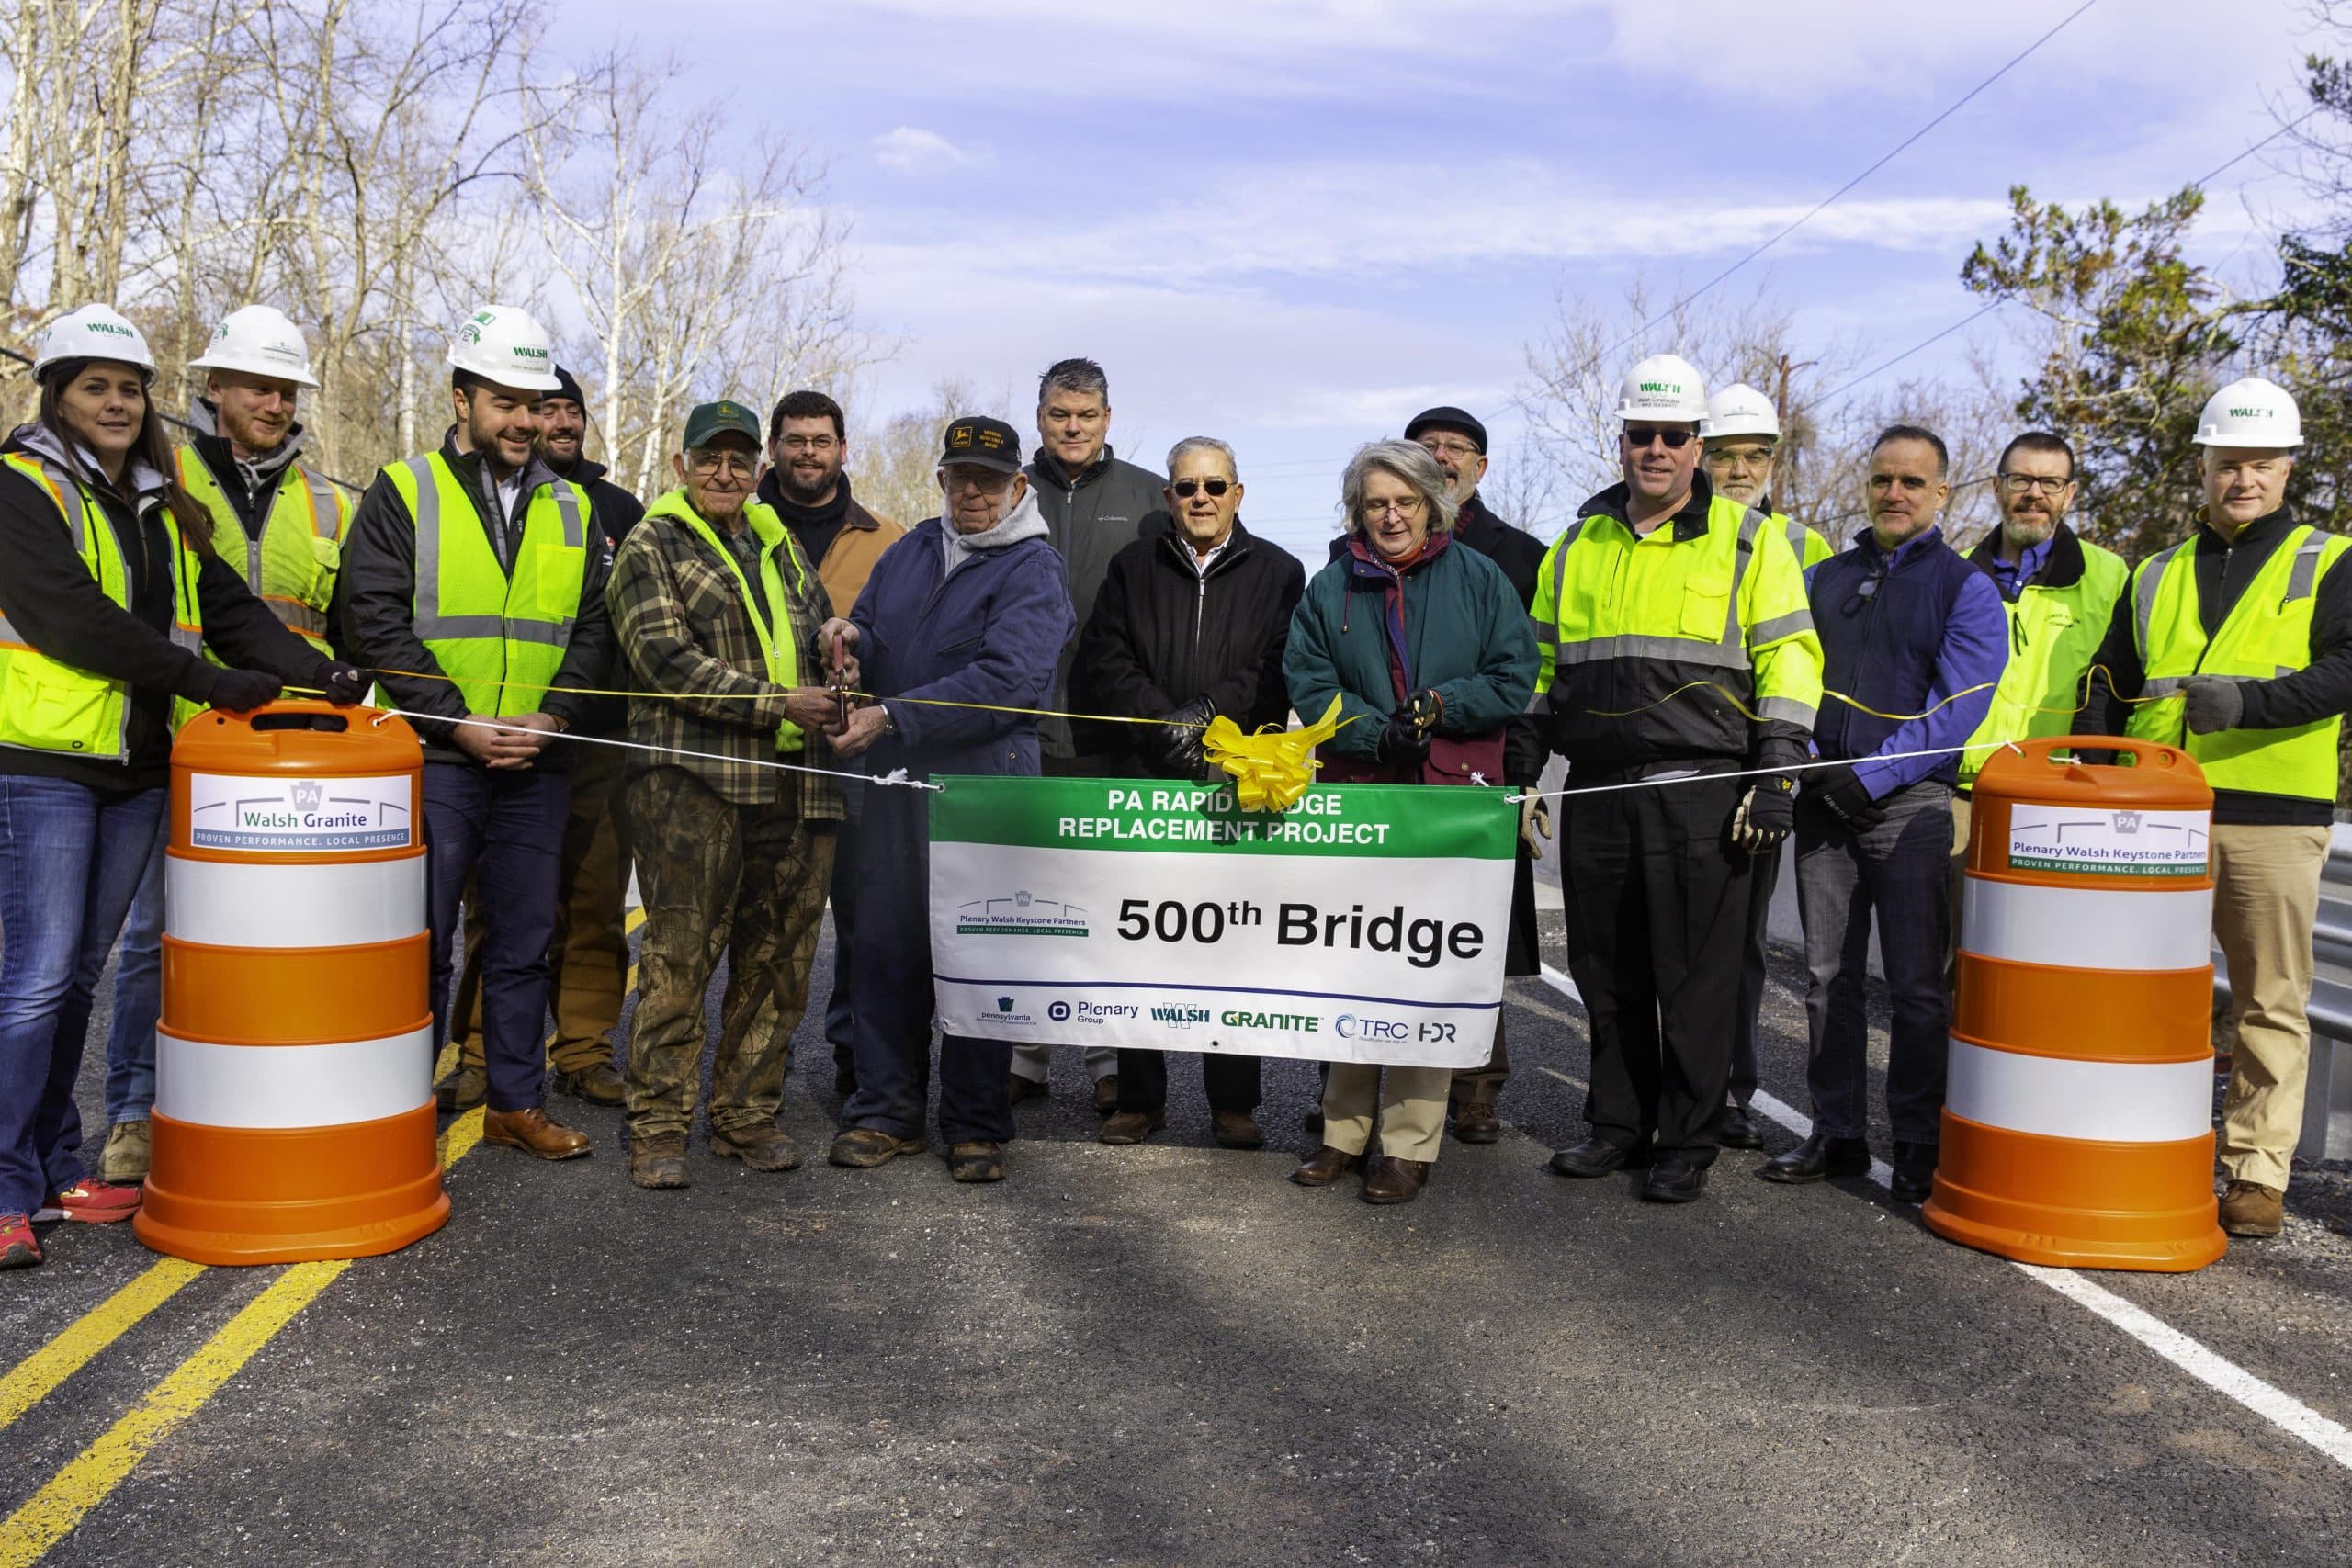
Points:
x=960 y=437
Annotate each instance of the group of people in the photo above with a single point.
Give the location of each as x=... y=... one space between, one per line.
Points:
x=704 y=687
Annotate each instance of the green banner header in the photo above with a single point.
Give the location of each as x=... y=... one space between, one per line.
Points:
x=1374 y=821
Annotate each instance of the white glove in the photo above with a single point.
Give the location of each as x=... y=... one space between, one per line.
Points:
x=1535 y=818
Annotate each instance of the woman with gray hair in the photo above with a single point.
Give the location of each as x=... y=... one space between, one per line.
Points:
x=1429 y=651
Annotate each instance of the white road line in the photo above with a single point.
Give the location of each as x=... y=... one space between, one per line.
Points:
x=2282 y=1409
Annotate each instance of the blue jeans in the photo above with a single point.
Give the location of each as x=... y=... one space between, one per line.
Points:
x=70 y=860
x=505 y=829
x=138 y=1000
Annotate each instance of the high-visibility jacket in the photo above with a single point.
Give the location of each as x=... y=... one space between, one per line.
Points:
x=767 y=610
x=2267 y=634
x=1810 y=548
x=291 y=568
x=499 y=634
x=48 y=707
x=2056 y=622
x=1650 y=647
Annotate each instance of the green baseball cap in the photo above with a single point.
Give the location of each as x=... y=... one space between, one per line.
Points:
x=710 y=420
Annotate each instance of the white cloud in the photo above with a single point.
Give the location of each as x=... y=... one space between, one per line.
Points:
x=910 y=150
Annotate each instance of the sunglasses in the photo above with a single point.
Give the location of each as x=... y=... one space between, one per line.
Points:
x=1186 y=488
x=1640 y=435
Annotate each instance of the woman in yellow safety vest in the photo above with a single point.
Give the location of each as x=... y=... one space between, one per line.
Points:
x=110 y=592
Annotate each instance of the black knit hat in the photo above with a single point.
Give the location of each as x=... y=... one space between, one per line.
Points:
x=1434 y=419
x=568 y=387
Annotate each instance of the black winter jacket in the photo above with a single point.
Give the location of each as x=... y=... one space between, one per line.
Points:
x=1162 y=634
x=1090 y=516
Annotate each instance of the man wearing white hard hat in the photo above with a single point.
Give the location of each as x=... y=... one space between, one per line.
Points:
x=1675 y=650
x=242 y=468
x=1742 y=437
x=2236 y=644
x=113 y=588
x=474 y=583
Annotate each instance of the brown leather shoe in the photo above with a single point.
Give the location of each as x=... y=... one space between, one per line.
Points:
x=2250 y=1209
x=1029 y=1089
x=1324 y=1167
x=1131 y=1126
x=534 y=1133
x=1106 y=1095
x=979 y=1160
x=1237 y=1130
x=1394 y=1180
x=1476 y=1123
x=658 y=1160
x=760 y=1148
x=598 y=1083
x=862 y=1148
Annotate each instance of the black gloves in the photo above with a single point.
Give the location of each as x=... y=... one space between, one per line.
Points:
x=241 y=691
x=1176 y=745
x=1402 y=743
x=1840 y=794
x=1424 y=710
x=2213 y=703
x=1766 y=814
x=346 y=684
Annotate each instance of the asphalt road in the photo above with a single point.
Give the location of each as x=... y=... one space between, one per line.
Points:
x=1169 y=1355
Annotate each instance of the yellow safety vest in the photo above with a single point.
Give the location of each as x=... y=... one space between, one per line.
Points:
x=292 y=567
x=46 y=706
x=2268 y=634
x=2055 y=634
x=1810 y=549
x=498 y=636
x=779 y=650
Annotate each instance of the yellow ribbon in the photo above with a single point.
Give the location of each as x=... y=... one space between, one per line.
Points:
x=1272 y=767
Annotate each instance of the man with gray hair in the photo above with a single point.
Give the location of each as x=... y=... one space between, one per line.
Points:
x=1094 y=505
x=1186 y=626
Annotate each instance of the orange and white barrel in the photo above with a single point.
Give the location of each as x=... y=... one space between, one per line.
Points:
x=294 y=1114
x=2077 y=1126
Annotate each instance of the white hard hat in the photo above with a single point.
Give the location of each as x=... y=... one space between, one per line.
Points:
x=1740 y=409
x=2252 y=412
x=94 y=332
x=258 y=341
x=1666 y=387
x=504 y=345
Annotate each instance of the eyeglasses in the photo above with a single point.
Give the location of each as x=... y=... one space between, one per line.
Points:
x=1411 y=506
x=1186 y=488
x=806 y=442
x=703 y=462
x=2041 y=484
x=1638 y=436
x=1449 y=448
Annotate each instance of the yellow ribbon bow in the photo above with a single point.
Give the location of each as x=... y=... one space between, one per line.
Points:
x=1272 y=769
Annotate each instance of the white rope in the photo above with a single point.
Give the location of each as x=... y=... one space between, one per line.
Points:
x=1694 y=775
x=895 y=776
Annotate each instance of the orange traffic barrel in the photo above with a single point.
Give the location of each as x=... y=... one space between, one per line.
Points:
x=2077 y=1126
x=294 y=1114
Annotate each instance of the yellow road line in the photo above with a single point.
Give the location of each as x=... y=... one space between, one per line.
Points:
x=29 y=1381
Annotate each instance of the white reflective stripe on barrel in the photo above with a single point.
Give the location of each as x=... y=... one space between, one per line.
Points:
x=2087 y=928
x=2122 y=1103
x=258 y=904
x=292 y=1086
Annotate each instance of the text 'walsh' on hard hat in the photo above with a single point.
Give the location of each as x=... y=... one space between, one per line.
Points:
x=2252 y=412
x=1665 y=387
x=504 y=345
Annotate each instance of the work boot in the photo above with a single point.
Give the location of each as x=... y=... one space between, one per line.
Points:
x=534 y=1132
x=2250 y=1209
x=1475 y=1122
x=759 y=1147
x=1029 y=1089
x=1131 y=1126
x=1106 y=1095
x=862 y=1148
x=126 y=1155
x=658 y=1160
x=462 y=1089
x=598 y=1083
x=1324 y=1167
x=1394 y=1180
x=980 y=1160
x=1235 y=1129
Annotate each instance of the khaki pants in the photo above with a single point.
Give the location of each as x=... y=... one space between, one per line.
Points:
x=2266 y=901
x=588 y=959
x=1412 y=1102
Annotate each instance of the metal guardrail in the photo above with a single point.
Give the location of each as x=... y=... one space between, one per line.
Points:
x=2327 y=1086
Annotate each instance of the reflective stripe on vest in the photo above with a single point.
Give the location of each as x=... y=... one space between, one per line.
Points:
x=48 y=706
x=2055 y=634
x=1728 y=651
x=292 y=567
x=2267 y=634
x=499 y=634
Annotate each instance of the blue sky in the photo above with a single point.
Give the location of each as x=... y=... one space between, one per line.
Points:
x=1291 y=224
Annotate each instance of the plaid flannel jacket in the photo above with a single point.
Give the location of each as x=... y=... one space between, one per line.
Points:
x=683 y=628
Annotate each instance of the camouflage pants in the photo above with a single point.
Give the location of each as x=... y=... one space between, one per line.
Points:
x=748 y=881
